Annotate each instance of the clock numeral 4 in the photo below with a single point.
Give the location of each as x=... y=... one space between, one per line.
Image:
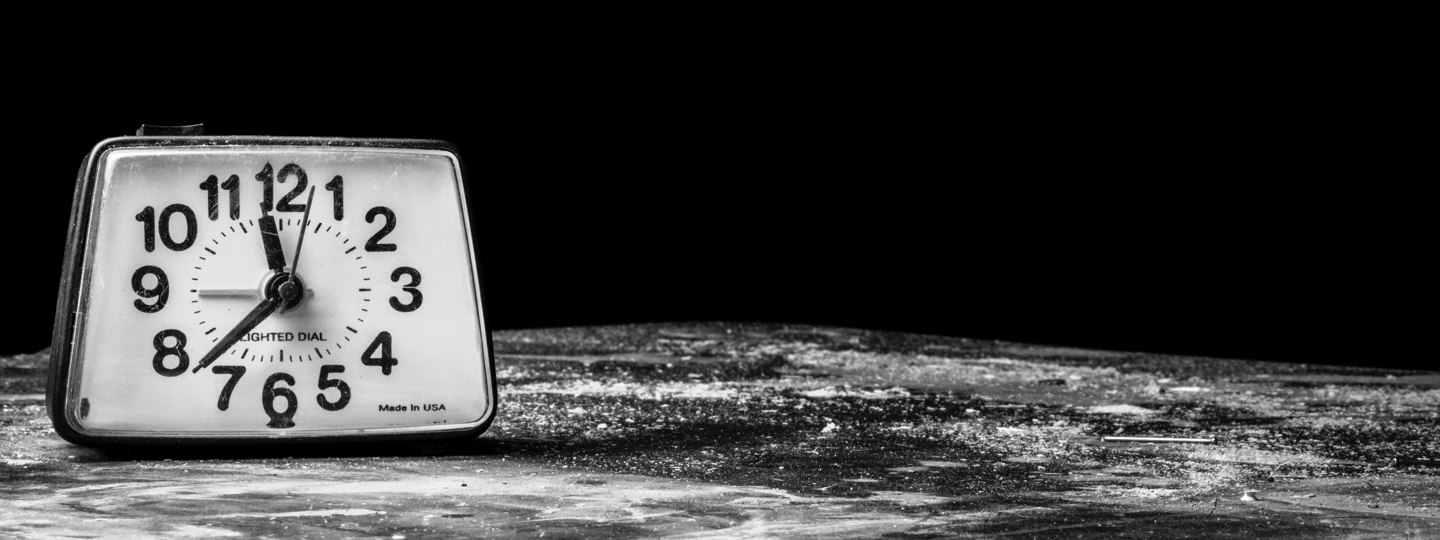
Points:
x=147 y=218
x=384 y=361
x=160 y=292
x=413 y=288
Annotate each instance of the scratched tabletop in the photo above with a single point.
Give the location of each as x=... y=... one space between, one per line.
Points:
x=720 y=430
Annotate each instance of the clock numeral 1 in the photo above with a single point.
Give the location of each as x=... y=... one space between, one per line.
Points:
x=212 y=189
x=327 y=382
x=373 y=244
x=162 y=351
x=266 y=176
x=235 y=372
x=279 y=419
x=147 y=217
x=413 y=288
x=161 y=291
x=384 y=361
x=338 y=186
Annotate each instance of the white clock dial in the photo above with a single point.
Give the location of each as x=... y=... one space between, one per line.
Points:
x=207 y=307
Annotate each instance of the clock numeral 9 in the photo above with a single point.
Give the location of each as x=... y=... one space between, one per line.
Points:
x=279 y=419
x=147 y=217
x=162 y=351
x=212 y=189
x=161 y=291
x=413 y=288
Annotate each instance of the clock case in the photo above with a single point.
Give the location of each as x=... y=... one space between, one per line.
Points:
x=62 y=340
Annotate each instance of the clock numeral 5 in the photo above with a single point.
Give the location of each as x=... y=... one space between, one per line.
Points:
x=161 y=291
x=147 y=217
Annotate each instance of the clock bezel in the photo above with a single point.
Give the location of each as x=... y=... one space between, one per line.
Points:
x=69 y=297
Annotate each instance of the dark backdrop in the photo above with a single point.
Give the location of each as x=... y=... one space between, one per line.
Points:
x=1167 y=222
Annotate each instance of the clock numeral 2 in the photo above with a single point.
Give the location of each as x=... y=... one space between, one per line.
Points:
x=161 y=291
x=413 y=288
x=147 y=217
x=373 y=244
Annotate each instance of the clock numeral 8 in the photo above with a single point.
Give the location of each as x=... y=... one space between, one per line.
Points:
x=162 y=351
x=160 y=292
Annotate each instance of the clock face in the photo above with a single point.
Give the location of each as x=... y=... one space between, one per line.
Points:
x=271 y=289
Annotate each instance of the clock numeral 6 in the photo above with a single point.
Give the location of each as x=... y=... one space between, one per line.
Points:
x=160 y=292
x=147 y=218
x=162 y=351
x=413 y=288
x=279 y=419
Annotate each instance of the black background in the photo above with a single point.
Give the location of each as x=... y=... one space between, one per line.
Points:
x=1173 y=216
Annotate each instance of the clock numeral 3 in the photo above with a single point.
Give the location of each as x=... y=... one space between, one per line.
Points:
x=161 y=291
x=384 y=361
x=413 y=288
x=279 y=419
x=373 y=244
x=162 y=351
x=147 y=217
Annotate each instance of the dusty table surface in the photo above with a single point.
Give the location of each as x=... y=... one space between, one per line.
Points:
x=748 y=431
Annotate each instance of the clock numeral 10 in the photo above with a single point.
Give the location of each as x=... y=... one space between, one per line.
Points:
x=147 y=218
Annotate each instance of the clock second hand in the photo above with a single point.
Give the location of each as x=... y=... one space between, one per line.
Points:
x=295 y=263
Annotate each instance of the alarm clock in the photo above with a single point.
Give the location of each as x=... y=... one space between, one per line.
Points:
x=224 y=290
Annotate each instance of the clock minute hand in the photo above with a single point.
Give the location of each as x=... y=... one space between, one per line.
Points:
x=251 y=320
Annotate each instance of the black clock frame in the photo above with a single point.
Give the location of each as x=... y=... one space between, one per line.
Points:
x=62 y=337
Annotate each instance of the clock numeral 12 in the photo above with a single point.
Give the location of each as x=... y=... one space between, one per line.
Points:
x=267 y=177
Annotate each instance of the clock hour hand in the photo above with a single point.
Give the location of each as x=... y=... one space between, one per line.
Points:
x=274 y=253
x=251 y=320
